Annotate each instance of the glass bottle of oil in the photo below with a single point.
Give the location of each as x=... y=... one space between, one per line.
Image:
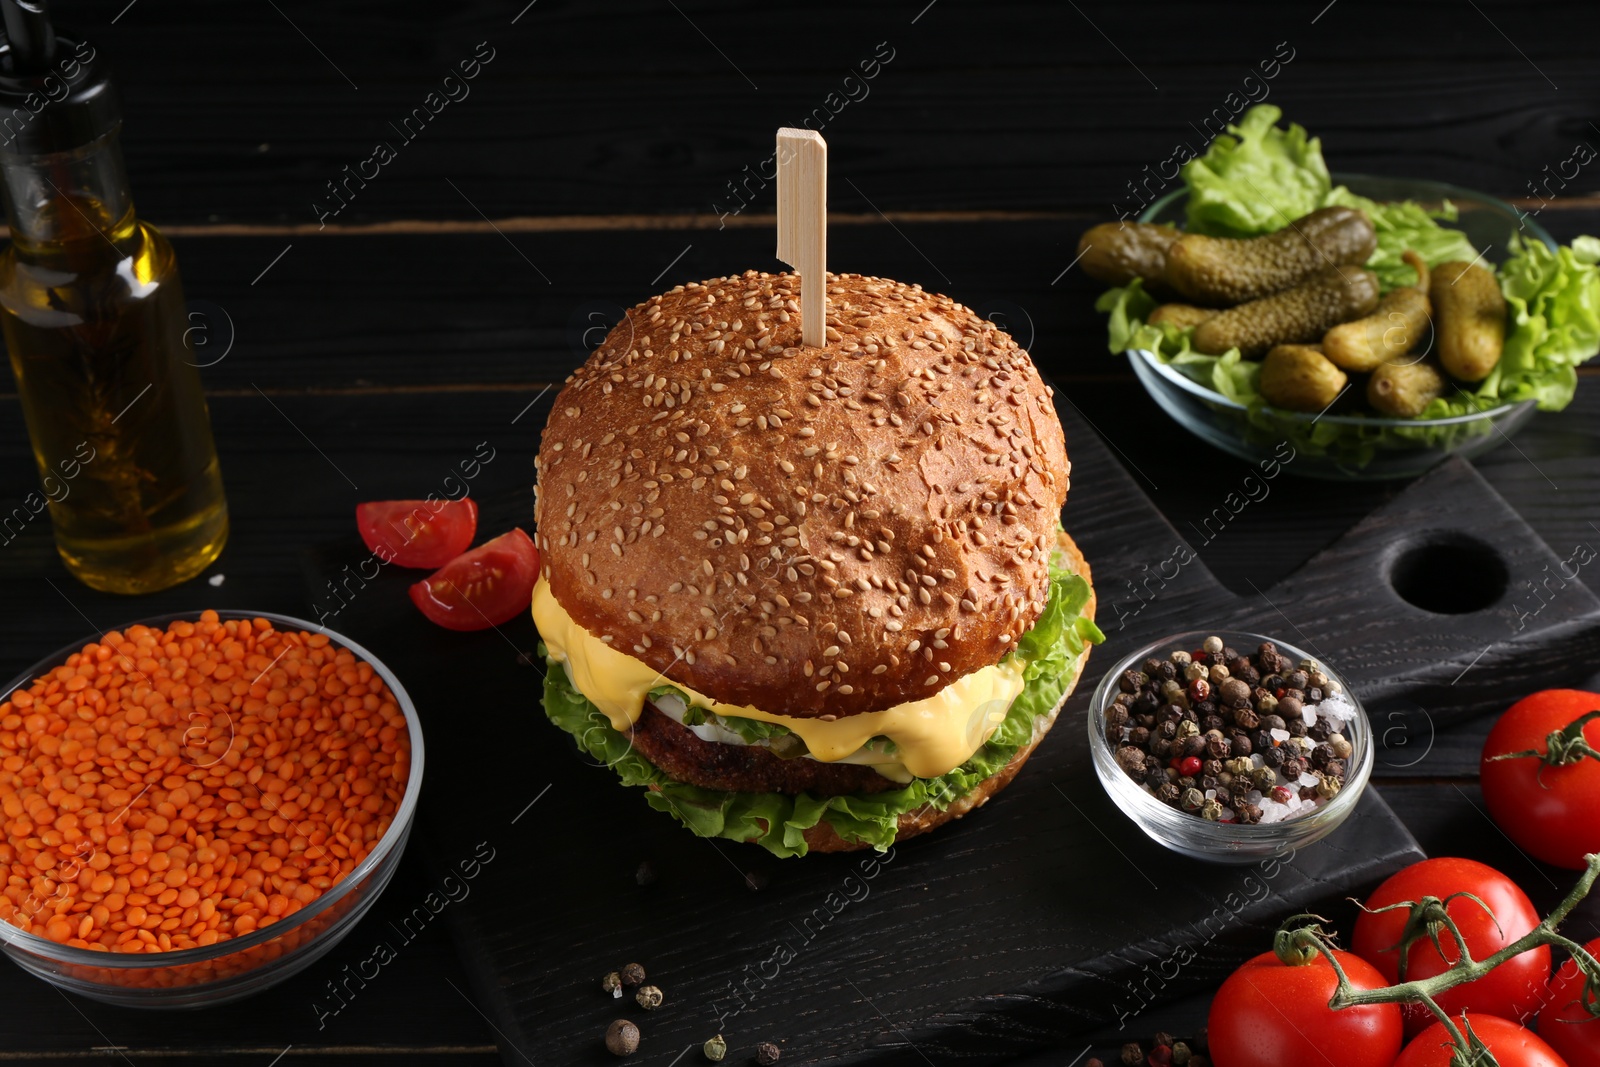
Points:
x=93 y=316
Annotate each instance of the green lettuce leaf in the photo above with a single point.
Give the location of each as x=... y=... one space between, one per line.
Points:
x=778 y=822
x=1257 y=178
x=1553 y=297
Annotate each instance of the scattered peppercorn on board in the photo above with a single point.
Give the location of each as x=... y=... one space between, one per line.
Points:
x=1043 y=915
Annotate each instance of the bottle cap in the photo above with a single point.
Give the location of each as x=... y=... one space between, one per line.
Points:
x=56 y=92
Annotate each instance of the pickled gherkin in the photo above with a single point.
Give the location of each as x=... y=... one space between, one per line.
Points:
x=1233 y=270
x=1299 y=315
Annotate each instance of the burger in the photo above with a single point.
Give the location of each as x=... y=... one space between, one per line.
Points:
x=814 y=598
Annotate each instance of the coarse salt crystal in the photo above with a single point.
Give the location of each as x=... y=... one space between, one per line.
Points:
x=1308 y=779
x=1309 y=714
x=1279 y=735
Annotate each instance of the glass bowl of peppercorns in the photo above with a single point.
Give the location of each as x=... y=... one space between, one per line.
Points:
x=1228 y=746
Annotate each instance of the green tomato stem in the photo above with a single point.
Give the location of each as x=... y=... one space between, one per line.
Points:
x=1563 y=747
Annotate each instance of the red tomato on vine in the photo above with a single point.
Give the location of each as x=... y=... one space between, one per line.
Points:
x=1512 y=1045
x=1541 y=775
x=1514 y=990
x=1566 y=1023
x=1273 y=1014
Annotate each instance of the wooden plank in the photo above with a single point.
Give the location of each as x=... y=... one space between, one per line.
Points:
x=361 y=317
x=581 y=119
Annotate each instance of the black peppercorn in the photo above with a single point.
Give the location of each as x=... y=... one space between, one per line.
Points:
x=1262 y=741
x=1247 y=813
x=1167 y=671
x=1132 y=1054
x=1193 y=745
x=1210 y=781
x=1212 y=722
x=1161 y=748
x=1308 y=792
x=1139 y=736
x=1271 y=754
x=1129 y=759
x=1320 y=756
x=1296 y=679
x=1273 y=722
x=1151 y=666
x=1248 y=675
x=1155 y=776
x=1219 y=747
x=1167 y=730
x=1298 y=694
x=767 y=1054
x=1293 y=767
x=1205 y=708
x=1133 y=681
x=1172 y=713
x=1246 y=719
x=632 y=975
x=1319 y=730
x=1241 y=744
x=1169 y=793
x=1335 y=768
x=1116 y=718
x=1240 y=786
x=1186 y=782
x=1297 y=727
x=1211 y=766
x=1145 y=703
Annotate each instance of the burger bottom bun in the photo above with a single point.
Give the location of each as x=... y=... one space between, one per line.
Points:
x=823 y=838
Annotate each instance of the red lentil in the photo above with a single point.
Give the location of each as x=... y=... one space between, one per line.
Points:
x=169 y=789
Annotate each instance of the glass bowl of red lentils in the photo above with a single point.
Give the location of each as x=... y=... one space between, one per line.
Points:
x=198 y=806
x=1230 y=747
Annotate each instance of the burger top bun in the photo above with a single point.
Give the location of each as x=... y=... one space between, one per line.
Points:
x=809 y=531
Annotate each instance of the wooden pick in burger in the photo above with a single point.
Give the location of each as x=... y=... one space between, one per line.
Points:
x=803 y=224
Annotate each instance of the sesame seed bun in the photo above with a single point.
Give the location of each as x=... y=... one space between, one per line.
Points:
x=810 y=531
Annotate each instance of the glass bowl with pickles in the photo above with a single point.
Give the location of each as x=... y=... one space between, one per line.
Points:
x=1348 y=327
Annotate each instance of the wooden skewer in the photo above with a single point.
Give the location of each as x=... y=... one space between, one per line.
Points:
x=803 y=224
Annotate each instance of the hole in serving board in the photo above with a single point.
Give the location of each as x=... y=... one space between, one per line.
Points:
x=1449 y=574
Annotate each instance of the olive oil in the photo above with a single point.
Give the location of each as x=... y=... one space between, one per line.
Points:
x=94 y=325
x=92 y=312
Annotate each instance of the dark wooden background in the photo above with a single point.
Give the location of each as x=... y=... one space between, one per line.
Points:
x=588 y=168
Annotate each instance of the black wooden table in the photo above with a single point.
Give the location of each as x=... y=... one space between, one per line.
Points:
x=363 y=333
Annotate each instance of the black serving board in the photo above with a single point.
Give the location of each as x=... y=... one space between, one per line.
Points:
x=1044 y=915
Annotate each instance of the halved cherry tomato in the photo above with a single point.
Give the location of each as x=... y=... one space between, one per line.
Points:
x=490 y=585
x=1270 y=1014
x=418 y=533
x=1514 y=990
x=1553 y=811
x=1512 y=1045
x=1565 y=1024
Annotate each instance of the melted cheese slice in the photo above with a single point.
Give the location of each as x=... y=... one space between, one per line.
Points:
x=932 y=736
